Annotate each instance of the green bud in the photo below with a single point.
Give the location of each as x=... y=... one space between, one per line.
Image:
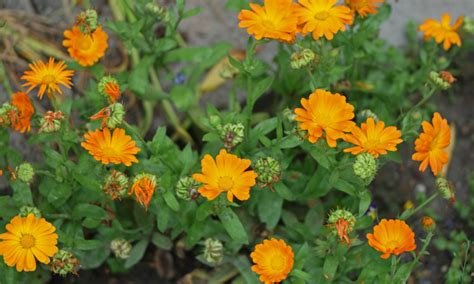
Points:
x=229 y=71
x=365 y=167
x=302 y=58
x=232 y=134
x=121 y=248
x=445 y=188
x=337 y=214
x=289 y=115
x=268 y=171
x=158 y=11
x=428 y=224
x=116 y=185
x=215 y=121
x=87 y=21
x=468 y=25
x=366 y=113
x=213 y=251
x=25 y=172
x=117 y=112
x=26 y=210
x=186 y=188
x=64 y=262
x=439 y=82
x=103 y=82
x=51 y=121
x=342 y=222
x=6 y=112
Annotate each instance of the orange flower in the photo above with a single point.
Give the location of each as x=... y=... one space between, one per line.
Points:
x=116 y=148
x=373 y=138
x=47 y=77
x=364 y=7
x=85 y=49
x=25 y=109
x=322 y=17
x=112 y=90
x=327 y=112
x=442 y=31
x=430 y=145
x=226 y=174
x=392 y=237
x=273 y=260
x=143 y=187
x=273 y=20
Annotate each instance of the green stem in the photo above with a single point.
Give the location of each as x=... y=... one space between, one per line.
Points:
x=419 y=104
x=408 y=214
x=136 y=133
x=393 y=269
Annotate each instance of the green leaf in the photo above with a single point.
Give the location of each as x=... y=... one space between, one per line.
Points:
x=301 y=256
x=137 y=253
x=203 y=211
x=284 y=191
x=243 y=265
x=87 y=244
x=88 y=210
x=162 y=218
x=290 y=142
x=183 y=97
x=269 y=208
x=171 y=201
x=8 y=208
x=161 y=241
x=301 y=275
x=231 y=223
x=21 y=193
x=330 y=267
x=364 y=202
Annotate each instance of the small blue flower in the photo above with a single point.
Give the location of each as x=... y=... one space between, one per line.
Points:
x=180 y=78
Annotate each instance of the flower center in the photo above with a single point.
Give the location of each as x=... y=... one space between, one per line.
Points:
x=268 y=24
x=226 y=183
x=359 y=4
x=277 y=262
x=27 y=241
x=392 y=245
x=85 y=43
x=371 y=144
x=48 y=79
x=110 y=151
x=322 y=16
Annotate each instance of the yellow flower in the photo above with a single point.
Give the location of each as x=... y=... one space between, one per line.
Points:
x=327 y=112
x=392 y=237
x=322 y=17
x=47 y=77
x=442 y=31
x=116 y=148
x=28 y=239
x=85 y=49
x=430 y=145
x=373 y=138
x=25 y=109
x=273 y=20
x=273 y=260
x=226 y=174
x=364 y=7
x=143 y=187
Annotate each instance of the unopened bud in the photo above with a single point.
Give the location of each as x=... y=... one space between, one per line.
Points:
x=428 y=224
x=365 y=167
x=158 y=11
x=228 y=71
x=116 y=185
x=268 y=171
x=437 y=80
x=8 y=113
x=213 y=251
x=445 y=188
x=342 y=222
x=64 y=262
x=468 y=25
x=232 y=134
x=25 y=172
x=186 y=188
x=109 y=88
x=302 y=58
x=26 y=210
x=87 y=21
x=121 y=248
x=366 y=113
x=51 y=121
x=117 y=112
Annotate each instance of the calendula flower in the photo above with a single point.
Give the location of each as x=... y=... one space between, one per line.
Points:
x=116 y=148
x=25 y=109
x=28 y=239
x=47 y=77
x=109 y=88
x=430 y=145
x=364 y=7
x=112 y=115
x=64 y=262
x=392 y=237
x=322 y=17
x=442 y=31
x=342 y=222
x=51 y=121
x=143 y=187
x=273 y=260
x=85 y=49
x=274 y=20
x=327 y=112
x=373 y=138
x=116 y=184
x=428 y=224
x=227 y=173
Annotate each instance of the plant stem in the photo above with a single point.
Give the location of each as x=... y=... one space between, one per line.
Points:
x=419 y=207
x=137 y=134
x=393 y=269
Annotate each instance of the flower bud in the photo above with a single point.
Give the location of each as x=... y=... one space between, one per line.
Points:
x=445 y=188
x=25 y=172
x=428 y=224
x=442 y=80
x=366 y=113
x=232 y=134
x=158 y=11
x=229 y=71
x=51 y=121
x=26 y=210
x=87 y=21
x=302 y=58
x=109 y=88
x=342 y=222
x=289 y=115
x=186 y=188
x=365 y=167
x=121 y=248
x=215 y=121
x=112 y=115
x=268 y=171
x=468 y=25
x=447 y=77
x=213 y=251
x=116 y=185
x=8 y=113
x=64 y=262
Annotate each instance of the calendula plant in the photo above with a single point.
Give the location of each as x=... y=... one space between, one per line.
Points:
x=277 y=186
